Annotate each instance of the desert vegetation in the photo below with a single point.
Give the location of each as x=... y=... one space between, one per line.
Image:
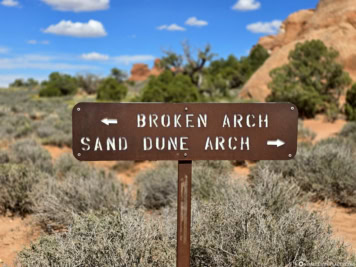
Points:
x=312 y=80
x=350 y=105
x=89 y=217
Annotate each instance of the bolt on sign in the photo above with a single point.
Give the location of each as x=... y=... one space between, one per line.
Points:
x=184 y=132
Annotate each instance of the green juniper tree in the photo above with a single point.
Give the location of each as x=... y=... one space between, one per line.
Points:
x=312 y=79
x=59 y=85
x=111 y=89
x=350 y=105
x=170 y=87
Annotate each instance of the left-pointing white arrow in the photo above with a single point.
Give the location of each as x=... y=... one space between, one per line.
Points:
x=109 y=121
x=276 y=143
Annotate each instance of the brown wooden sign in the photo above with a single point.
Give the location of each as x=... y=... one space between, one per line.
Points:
x=200 y=131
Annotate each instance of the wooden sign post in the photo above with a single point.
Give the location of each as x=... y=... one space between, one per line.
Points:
x=184 y=132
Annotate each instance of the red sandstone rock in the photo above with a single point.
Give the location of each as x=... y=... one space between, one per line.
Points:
x=141 y=72
x=333 y=22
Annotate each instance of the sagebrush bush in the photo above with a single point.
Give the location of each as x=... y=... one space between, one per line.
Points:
x=124 y=238
x=244 y=233
x=209 y=179
x=29 y=151
x=4 y=157
x=18 y=182
x=261 y=224
x=327 y=170
x=66 y=164
x=56 y=128
x=157 y=187
x=122 y=166
x=15 y=126
x=78 y=188
x=250 y=226
x=349 y=131
x=275 y=193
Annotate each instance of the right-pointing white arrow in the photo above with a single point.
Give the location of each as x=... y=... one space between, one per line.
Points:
x=276 y=143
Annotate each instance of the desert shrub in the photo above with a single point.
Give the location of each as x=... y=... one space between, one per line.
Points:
x=253 y=225
x=30 y=83
x=4 y=157
x=350 y=105
x=312 y=79
x=131 y=83
x=209 y=178
x=29 y=151
x=169 y=87
x=125 y=238
x=58 y=85
x=275 y=193
x=56 y=128
x=122 y=166
x=349 y=131
x=18 y=83
x=249 y=226
x=305 y=134
x=157 y=187
x=18 y=182
x=15 y=126
x=244 y=233
x=327 y=170
x=89 y=82
x=59 y=139
x=225 y=74
x=111 y=89
x=77 y=189
x=119 y=75
x=66 y=165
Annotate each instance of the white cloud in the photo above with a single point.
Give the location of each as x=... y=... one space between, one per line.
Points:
x=129 y=59
x=193 y=21
x=78 y=29
x=172 y=27
x=265 y=27
x=4 y=50
x=78 y=5
x=39 y=62
x=95 y=56
x=35 y=42
x=9 y=3
x=246 y=5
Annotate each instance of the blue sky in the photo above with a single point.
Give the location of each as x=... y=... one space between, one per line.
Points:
x=77 y=36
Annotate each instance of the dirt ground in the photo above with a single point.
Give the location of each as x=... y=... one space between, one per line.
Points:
x=322 y=128
x=16 y=233
x=342 y=220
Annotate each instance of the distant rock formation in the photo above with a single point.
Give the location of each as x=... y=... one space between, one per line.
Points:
x=141 y=72
x=333 y=22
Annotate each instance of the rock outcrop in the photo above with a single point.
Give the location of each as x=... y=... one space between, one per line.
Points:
x=141 y=72
x=333 y=22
